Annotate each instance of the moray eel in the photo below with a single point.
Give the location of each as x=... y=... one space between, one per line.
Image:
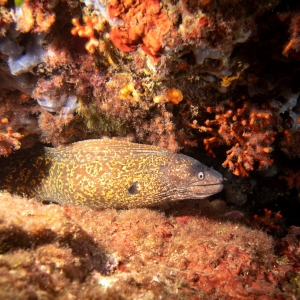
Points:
x=108 y=174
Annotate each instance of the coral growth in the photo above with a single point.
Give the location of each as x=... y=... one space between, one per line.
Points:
x=17 y=123
x=292 y=178
x=270 y=220
x=246 y=129
x=144 y=23
x=86 y=31
x=147 y=97
x=36 y=16
x=9 y=141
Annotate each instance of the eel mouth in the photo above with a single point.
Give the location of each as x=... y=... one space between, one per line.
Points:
x=199 y=191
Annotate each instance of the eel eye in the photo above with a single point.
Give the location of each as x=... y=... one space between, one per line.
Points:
x=200 y=176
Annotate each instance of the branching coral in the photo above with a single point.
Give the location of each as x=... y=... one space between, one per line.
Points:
x=246 y=129
x=87 y=31
x=145 y=24
x=17 y=121
x=270 y=220
x=292 y=178
x=9 y=141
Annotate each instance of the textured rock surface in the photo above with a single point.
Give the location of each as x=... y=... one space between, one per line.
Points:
x=189 y=251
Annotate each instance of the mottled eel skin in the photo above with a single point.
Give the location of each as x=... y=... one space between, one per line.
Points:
x=108 y=174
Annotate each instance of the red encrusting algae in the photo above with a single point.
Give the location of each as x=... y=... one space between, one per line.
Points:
x=144 y=24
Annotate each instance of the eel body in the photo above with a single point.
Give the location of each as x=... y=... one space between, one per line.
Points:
x=108 y=174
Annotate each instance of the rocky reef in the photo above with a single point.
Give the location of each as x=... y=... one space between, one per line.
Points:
x=215 y=79
x=192 y=251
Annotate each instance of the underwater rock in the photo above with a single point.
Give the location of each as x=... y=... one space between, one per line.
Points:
x=67 y=251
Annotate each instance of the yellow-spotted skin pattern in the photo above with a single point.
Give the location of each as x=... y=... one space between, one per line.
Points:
x=107 y=174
